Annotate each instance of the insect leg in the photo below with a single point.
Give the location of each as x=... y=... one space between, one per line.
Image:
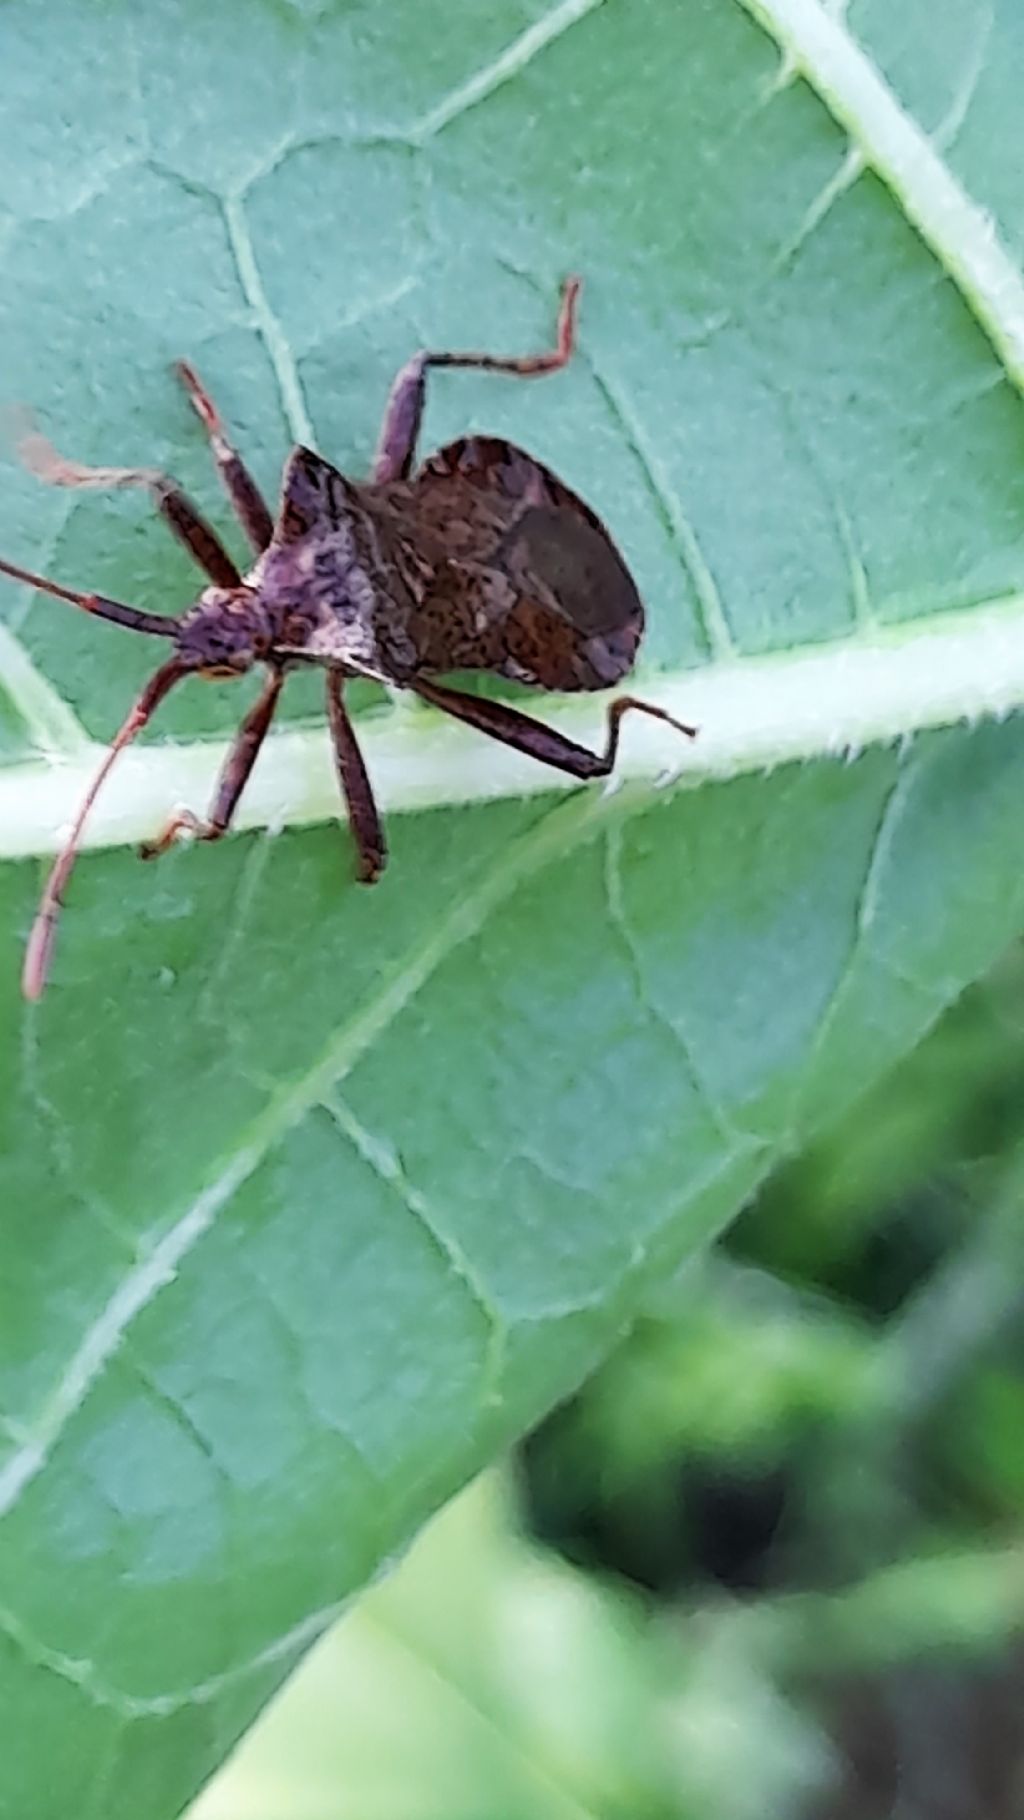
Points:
x=536 y=739
x=364 y=821
x=404 y=409
x=248 y=502
x=233 y=778
x=186 y=521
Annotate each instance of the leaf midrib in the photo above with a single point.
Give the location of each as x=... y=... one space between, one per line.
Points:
x=753 y=713
x=817 y=45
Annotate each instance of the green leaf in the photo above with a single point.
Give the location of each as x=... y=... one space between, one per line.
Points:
x=486 y=1676
x=313 y=1198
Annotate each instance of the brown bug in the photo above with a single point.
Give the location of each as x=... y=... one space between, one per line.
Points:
x=480 y=560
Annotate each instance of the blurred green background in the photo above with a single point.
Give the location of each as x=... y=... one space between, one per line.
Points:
x=770 y=1561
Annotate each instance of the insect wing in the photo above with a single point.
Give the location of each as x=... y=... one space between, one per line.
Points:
x=532 y=564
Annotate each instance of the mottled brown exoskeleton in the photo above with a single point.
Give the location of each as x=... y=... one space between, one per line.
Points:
x=480 y=560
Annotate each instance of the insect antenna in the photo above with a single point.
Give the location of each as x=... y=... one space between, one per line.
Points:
x=39 y=951
x=97 y=604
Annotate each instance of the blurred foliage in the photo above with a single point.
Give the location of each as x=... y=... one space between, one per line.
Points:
x=790 y=1512
x=841 y=1376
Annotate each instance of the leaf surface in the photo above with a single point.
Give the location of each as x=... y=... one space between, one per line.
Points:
x=313 y=1198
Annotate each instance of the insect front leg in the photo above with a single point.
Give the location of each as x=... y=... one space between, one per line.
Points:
x=172 y=502
x=249 y=504
x=357 y=790
x=233 y=778
x=533 y=737
x=404 y=410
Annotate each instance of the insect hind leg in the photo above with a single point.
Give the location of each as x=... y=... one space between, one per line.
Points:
x=534 y=737
x=403 y=413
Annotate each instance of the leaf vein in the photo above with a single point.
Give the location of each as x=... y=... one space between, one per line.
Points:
x=282 y=359
x=55 y=729
x=713 y=623
x=388 y=1167
x=543 y=843
x=503 y=68
x=959 y=232
x=619 y=920
x=863 y=915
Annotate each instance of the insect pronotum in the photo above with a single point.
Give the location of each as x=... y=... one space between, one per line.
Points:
x=481 y=559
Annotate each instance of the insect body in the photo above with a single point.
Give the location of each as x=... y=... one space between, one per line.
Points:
x=481 y=559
